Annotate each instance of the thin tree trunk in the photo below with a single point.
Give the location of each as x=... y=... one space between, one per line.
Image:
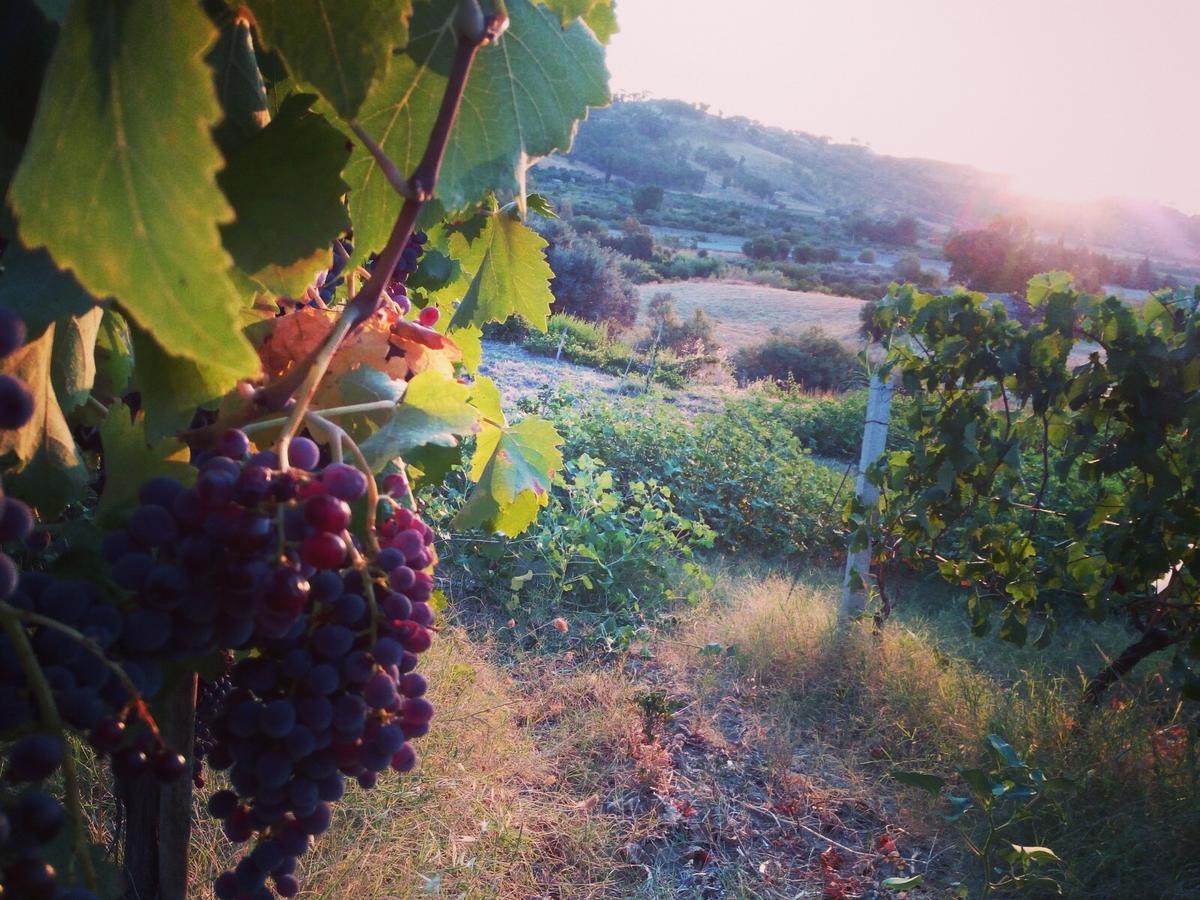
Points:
x=159 y=817
x=1151 y=642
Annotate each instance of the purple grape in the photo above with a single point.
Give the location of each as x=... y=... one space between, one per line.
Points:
x=233 y=444
x=16 y=520
x=16 y=402
x=12 y=331
x=380 y=691
x=303 y=453
x=344 y=482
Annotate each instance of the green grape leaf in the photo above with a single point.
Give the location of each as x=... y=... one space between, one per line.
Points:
x=237 y=80
x=50 y=473
x=434 y=411
x=931 y=784
x=114 y=356
x=485 y=397
x=1043 y=286
x=521 y=102
x=37 y=290
x=513 y=469
x=173 y=387
x=130 y=460
x=123 y=130
x=541 y=205
x=600 y=15
x=510 y=275
x=73 y=361
x=285 y=185
x=602 y=19
x=341 y=49
x=470 y=342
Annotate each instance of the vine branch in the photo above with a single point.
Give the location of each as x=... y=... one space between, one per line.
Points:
x=10 y=620
x=418 y=190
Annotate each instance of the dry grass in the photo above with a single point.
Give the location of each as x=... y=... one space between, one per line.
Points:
x=856 y=705
x=744 y=314
x=759 y=770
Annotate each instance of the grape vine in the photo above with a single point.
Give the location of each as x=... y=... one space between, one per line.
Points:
x=1042 y=483
x=217 y=392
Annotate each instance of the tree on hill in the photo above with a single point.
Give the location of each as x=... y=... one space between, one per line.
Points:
x=647 y=198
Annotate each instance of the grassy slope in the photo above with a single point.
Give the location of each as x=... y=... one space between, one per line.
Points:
x=745 y=313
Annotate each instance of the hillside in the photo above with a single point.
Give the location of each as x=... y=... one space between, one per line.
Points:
x=685 y=148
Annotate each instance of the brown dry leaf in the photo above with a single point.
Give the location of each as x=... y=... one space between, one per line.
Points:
x=385 y=342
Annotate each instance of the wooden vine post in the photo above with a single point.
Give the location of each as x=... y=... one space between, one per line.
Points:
x=856 y=581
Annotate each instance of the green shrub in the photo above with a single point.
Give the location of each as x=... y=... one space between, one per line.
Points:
x=639 y=271
x=811 y=359
x=681 y=268
x=693 y=337
x=588 y=281
x=605 y=550
x=737 y=470
x=588 y=344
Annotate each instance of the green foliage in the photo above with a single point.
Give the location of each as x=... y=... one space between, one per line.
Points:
x=282 y=226
x=811 y=359
x=1042 y=485
x=767 y=246
x=613 y=553
x=510 y=277
x=500 y=129
x=648 y=197
x=512 y=468
x=339 y=49
x=589 y=344
x=1004 y=256
x=1011 y=800
x=694 y=336
x=128 y=92
x=830 y=425
x=754 y=483
x=588 y=281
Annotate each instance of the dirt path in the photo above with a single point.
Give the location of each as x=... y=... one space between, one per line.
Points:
x=523 y=375
x=741 y=810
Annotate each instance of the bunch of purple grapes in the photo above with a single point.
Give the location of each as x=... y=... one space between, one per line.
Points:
x=30 y=819
x=257 y=559
x=75 y=642
x=410 y=258
x=210 y=697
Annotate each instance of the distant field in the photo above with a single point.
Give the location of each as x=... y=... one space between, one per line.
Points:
x=745 y=313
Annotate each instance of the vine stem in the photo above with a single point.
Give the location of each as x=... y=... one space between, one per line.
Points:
x=10 y=620
x=332 y=431
x=373 y=406
x=308 y=387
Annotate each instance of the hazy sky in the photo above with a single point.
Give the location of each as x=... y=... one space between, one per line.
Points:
x=1075 y=98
